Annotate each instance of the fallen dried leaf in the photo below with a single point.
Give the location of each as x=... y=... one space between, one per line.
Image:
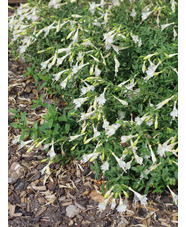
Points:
x=94 y=195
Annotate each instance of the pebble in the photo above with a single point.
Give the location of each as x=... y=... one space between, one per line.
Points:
x=72 y=211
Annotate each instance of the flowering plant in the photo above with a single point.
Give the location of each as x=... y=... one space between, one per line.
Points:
x=115 y=64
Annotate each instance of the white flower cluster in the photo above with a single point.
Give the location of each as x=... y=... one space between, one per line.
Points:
x=121 y=205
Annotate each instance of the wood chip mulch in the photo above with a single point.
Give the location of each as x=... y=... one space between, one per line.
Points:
x=69 y=197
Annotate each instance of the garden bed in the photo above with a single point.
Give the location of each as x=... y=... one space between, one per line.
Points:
x=121 y=94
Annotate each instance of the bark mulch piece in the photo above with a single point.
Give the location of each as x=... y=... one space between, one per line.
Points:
x=69 y=196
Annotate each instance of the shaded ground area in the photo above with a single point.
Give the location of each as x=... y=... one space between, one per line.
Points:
x=69 y=197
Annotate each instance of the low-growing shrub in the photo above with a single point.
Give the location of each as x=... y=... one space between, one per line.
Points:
x=114 y=64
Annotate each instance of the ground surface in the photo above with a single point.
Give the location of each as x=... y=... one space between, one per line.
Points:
x=31 y=203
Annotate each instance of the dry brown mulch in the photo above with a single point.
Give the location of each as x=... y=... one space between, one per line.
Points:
x=31 y=203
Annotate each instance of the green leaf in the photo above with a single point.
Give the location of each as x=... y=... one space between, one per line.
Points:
x=67 y=128
x=22 y=135
x=23 y=118
x=62 y=118
x=14 y=125
x=43 y=85
x=50 y=123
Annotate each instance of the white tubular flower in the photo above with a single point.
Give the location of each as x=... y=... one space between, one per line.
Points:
x=135 y=38
x=146 y=13
x=76 y=16
x=110 y=130
x=138 y=159
x=138 y=121
x=128 y=164
x=58 y=75
x=80 y=56
x=102 y=205
x=22 y=49
x=115 y=2
x=161 y=104
x=117 y=64
x=16 y=139
x=174 y=196
x=25 y=40
x=113 y=203
x=175 y=33
x=151 y=70
x=76 y=68
x=63 y=84
x=124 y=139
x=108 y=37
x=121 y=163
x=47 y=29
x=52 y=3
x=150 y=122
x=121 y=115
x=93 y=6
x=67 y=50
x=79 y=102
x=87 y=42
x=152 y=155
x=122 y=101
x=105 y=123
x=172 y=55
x=24 y=143
x=84 y=90
x=51 y=152
x=102 y=3
x=149 y=56
x=123 y=83
x=173 y=3
x=162 y=148
x=163 y=26
x=133 y=13
x=101 y=99
x=130 y=85
x=46 y=169
x=105 y=17
x=141 y=198
x=53 y=61
x=174 y=113
x=116 y=48
x=75 y=37
x=139 y=42
x=97 y=71
x=60 y=60
x=75 y=137
x=91 y=157
x=85 y=116
x=44 y=64
x=105 y=166
x=96 y=133
x=122 y=206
